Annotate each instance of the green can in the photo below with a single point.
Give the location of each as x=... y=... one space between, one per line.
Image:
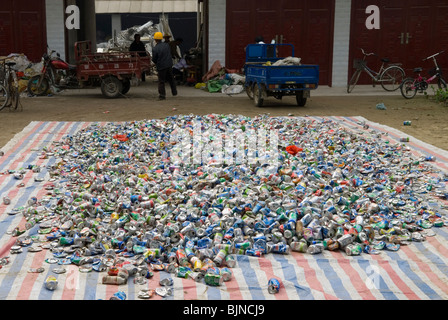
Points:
x=183 y=272
x=213 y=279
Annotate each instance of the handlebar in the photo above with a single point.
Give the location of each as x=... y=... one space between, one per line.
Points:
x=367 y=54
x=434 y=55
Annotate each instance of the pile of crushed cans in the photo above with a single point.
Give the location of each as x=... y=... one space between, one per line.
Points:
x=116 y=204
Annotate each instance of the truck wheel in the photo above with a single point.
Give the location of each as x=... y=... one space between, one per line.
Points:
x=111 y=87
x=126 y=86
x=33 y=87
x=250 y=91
x=301 y=101
x=258 y=96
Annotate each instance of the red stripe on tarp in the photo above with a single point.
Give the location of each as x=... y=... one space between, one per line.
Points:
x=353 y=275
x=266 y=267
x=424 y=268
x=310 y=273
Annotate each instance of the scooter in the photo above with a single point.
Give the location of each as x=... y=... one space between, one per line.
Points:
x=55 y=72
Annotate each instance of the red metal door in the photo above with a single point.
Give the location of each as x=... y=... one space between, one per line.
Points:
x=410 y=30
x=23 y=28
x=307 y=24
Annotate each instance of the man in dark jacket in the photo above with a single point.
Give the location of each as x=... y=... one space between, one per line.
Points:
x=161 y=56
x=139 y=47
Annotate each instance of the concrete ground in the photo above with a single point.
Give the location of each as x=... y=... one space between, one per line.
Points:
x=429 y=118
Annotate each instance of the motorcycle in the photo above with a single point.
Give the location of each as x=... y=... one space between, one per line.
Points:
x=55 y=72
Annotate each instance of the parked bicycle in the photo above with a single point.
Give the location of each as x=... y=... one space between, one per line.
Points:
x=390 y=75
x=410 y=86
x=9 y=86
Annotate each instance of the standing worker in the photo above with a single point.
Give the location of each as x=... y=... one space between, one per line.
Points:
x=161 y=56
x=139 y=47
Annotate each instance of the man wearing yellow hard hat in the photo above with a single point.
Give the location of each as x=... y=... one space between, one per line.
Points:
x=161 y=56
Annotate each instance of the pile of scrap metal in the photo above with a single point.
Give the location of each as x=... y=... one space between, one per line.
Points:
x=123 y=39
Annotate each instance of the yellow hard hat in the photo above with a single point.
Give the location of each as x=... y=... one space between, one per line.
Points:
x=158 y=36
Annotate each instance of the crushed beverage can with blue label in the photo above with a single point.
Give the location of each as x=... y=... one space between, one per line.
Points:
x=273 y=286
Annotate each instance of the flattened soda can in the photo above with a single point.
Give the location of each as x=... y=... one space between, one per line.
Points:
x=6 y=200
x=213 y=279
x=120 y=295
x=166 y=282
x=226 y=274
x=230 y=261
x=51 y=283
x=353 y=250
x=407 y=123
x=273 y=286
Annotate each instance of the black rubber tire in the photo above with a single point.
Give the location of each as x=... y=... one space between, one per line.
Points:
x=258 y=96
x=33 y=88
x=396 y=76
x=111 y=87
x=406 y=90
x=126 y=86
x=301 y=101
x=442 y=83
x=4 y=97
x=250 y=91
x=353 y=81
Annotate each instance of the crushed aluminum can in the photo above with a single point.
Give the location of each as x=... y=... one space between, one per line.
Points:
x=146 y=294
x=51 y=260
x=16 y=249
x=34 y=249
x=36 y=270
x=59 y=270
x=6 y=200
x=392 y=247
x=140 y=280
x=120 y=295
x=166 y=282
x=51 y=283
x=161 y=291
x=273 y=286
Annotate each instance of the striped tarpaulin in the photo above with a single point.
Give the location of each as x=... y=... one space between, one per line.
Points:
x=417 y=271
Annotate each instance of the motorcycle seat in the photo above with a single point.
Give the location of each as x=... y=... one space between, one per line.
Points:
x=72 y=66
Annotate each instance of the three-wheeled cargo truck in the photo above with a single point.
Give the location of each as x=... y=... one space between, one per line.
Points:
x=264 y=78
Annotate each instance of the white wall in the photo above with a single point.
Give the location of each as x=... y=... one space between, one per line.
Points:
x=55 y=26
x=217 y=32
x=341 y=43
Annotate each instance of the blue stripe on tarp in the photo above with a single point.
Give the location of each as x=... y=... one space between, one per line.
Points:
x=431 y=256
x=413 y=276
x=383 y=287
x=92 y=285
x=7 y=282
x=290 y=275
x=213 y=293
x=7 y=160
x=334 y=279
x=250 y=277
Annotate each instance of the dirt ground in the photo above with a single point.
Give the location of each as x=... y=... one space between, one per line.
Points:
x=429 y=118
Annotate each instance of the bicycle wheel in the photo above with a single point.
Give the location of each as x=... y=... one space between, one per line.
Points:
x=4 y=97
x=14 y=96
x=442 y=83
x=34 y=88
x=391 y=78
x=353 y=81
x=408 y=90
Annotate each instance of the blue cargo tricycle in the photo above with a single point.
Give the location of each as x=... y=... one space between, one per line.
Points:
x=264 y=78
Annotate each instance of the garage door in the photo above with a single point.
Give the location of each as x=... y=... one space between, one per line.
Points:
x=410 y=30
x=22 y=28
x=307 y=24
